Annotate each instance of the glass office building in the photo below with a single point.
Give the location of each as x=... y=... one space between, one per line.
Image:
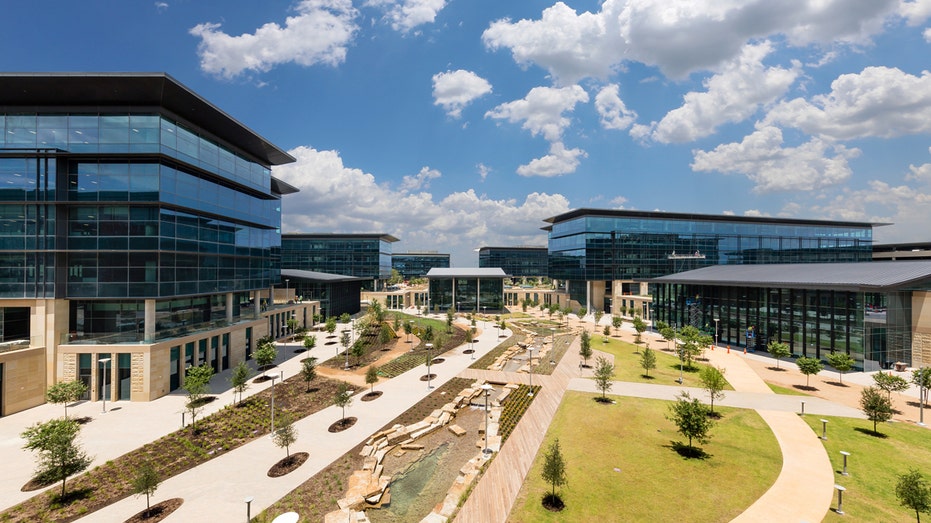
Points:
x=871 y=311
x=466 y=290
x=417 y=264
x=516 y=262
x=604 y=246
x=361 y=255
x=139 y=209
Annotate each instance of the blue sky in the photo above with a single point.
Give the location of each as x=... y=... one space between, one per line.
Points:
x=454 y=124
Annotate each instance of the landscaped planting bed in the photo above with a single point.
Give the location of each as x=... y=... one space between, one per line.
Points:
x=418 y=356
x=175 y=453
x=514 y=408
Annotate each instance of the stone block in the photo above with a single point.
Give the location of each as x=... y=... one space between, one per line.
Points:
x=457 y=430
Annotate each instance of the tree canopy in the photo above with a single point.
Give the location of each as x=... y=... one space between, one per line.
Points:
x=842 y=362
x=691 y=418
x=914 y=492
x=604 y=375
x=554 y=466
x=65 y=392
x=876 y=406
x=778 y=350
x=58 y=454
x=808 y=366
x=712 y=380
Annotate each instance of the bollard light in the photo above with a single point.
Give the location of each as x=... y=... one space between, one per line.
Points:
x=840 y=499
x=249 y=501
x=803 y=407
x=845 y=454
x=824 y=429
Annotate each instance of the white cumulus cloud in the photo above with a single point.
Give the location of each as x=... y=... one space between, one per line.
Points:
x=612 y=110
x=880 y=102
x=558 y=162
x=733 y=95
x=453 y=90
x=677 y=36
x=319 y=33
x=541 y=111
x=404 y=15
x=420 y=180
x=762 y=158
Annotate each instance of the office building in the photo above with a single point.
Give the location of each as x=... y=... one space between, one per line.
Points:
x=600 y=256
x=876 y=312
x=517 y=262
x=466 y=289
x=365 y=256
x=417 y=264
x=139 y=234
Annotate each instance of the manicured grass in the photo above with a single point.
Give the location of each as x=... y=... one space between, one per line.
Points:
x=874 y=465
x=627 y=364
x=786 y=390
x=621 y=465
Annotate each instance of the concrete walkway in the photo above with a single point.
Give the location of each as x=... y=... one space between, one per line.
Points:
x=494 y=495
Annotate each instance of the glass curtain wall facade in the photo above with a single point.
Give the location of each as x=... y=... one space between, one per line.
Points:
x=110 y=208
x=516 y=262
x=417 y=265
x=467 y=294
x=874 y=328
x=360 y=255
x=603 y=245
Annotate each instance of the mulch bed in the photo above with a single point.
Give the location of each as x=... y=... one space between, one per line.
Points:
x=342 y=424
x=428 y=377
x=372 y=395
x=157 y=512
x=437 y=361
x=288 y=464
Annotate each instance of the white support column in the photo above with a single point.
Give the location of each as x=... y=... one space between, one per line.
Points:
x=229 y=307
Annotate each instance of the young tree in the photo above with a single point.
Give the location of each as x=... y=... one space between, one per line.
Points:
x=285 y=434
x=357 y=351
x=598 y=315
x=408 y=328
x=145 y=482
x=330 y=325
x=343 y=399
x=639 y=326
x=876 y=406
x=345 y=338
x=385 y=334
x=922 y=378
x=586 y=347
x=309 y=371
x=450 y=316
x=605 y=333
x=890 y=383
x=648 y=360
x=371 y=376
x=668 y=334
x=913 y=492
x=345 y=317
x=693 y=344
x=310 y=342
x=240 y=378
x=712 y=380
x=778 y=350
x=58 y=455
x=196 y=381
x=65 y=392
x=617 y=322
x=604 y=374
x=554 y=467
x=691 y=418
x=842 y=362
x=292 y=324
x=808 y=366
x=469 y=337
x=427 y=334
x=266 y=352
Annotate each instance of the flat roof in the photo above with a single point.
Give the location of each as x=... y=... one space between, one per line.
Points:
x=518 y=248
x=466 y=272
x=318 y=276
x=659 y=215
x=862 y=276
x=330 y=235
x=124 y=91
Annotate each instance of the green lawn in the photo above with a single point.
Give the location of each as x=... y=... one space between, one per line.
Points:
x=874 y=465
x=621 y=466
x=786 y=390
x=627 y=364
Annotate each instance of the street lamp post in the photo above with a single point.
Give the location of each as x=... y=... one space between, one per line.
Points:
x=106 y=388
x=921 y=397
x=530 y=367
x=273 y=399
x=429 y=358
x=679 y=351
x=287 y=289
x=487 y=388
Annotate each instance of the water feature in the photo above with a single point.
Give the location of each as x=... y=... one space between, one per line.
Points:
x=408 y=499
